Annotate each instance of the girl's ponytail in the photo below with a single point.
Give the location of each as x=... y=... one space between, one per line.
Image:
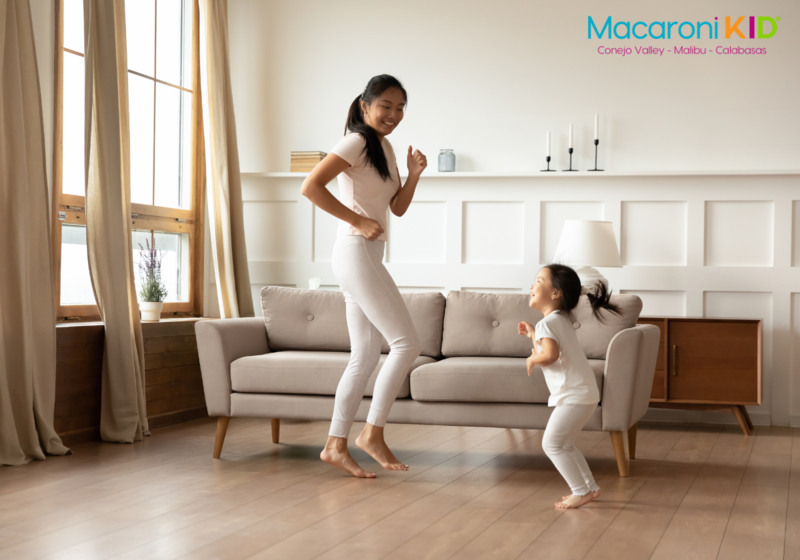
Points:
x=601 y=299
x=566 y=279
x=355 y=121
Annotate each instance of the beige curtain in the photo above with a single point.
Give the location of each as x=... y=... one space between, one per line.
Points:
x=123 y=416
x=27 y=304
x=223 y=182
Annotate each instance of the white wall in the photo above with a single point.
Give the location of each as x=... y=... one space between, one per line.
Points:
x=488 y=79
x=715 y=246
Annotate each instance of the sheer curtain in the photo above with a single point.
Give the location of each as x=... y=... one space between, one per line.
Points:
x=223 y=182
x=27 y=303
x=123 y=416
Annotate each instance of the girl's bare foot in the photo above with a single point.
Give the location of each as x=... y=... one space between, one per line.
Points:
x=573 y=501
x=371 y=440
x=594 y=495
x=337 y=455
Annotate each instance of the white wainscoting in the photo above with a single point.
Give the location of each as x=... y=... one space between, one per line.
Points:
x=693 y=244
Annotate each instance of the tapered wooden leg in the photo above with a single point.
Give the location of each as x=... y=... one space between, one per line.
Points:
x=222 y=427
x=743 y=418
x=276 y=430
x=746 y=415
x=632 y=442
x=618 y=442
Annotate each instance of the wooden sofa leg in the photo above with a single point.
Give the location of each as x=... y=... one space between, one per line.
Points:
x=222 y=427
x=276 y=430
x=618 y=442
x=632 y=442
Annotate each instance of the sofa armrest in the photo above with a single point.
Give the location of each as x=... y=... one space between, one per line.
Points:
x=219 y=343
x=628 y=382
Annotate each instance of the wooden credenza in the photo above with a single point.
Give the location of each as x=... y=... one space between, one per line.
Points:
x=708 y=364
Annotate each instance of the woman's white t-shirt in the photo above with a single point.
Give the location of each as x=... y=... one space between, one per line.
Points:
x=570 y=378
x=361 y=188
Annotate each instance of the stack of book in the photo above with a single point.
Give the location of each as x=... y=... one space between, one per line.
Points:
x=304 y=162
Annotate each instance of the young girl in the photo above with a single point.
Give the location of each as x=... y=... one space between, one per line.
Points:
x=369 y=185
x=569 y=377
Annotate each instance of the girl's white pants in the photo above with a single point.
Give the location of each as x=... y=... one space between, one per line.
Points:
x=374 y=308
x=566 y=422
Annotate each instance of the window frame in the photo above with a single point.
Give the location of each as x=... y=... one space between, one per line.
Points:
x=144 y=217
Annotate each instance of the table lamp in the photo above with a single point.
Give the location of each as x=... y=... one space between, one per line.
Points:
x=585 y=244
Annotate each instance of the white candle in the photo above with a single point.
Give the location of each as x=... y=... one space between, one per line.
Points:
x=570 y=135
x=548 y=144
x=596 y=127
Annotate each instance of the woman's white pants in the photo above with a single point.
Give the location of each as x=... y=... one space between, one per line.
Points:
x=374 y=308
x=566 y=422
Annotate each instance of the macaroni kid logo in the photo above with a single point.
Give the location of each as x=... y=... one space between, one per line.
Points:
x=742 y=27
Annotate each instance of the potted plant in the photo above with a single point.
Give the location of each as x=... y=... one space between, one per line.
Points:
x=153 y=290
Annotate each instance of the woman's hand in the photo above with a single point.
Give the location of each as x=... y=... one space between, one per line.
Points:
x=526 y=329
x=416 y=163
x=368 y=227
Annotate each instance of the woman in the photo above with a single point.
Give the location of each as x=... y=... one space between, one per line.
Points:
x=369 y=183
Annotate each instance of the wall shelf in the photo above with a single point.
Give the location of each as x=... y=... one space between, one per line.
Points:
x=539 y=175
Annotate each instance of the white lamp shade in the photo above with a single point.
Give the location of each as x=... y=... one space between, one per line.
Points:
x=587 y=243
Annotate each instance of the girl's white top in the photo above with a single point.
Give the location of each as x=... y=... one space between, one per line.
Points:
x=361 y=188
x=570 y=378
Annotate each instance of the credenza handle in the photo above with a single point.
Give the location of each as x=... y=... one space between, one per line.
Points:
x=673 y=362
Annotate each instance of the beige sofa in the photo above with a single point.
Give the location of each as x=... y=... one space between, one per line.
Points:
x=471 y=371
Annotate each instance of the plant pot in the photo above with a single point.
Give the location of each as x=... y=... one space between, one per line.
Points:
x=151 y=310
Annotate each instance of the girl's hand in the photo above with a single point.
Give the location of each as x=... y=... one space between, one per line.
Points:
x=416 y=162
x=529 y=363
x=526 y=329
x=369 y=228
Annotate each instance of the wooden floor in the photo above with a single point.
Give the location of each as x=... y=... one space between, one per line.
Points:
x=694 y=492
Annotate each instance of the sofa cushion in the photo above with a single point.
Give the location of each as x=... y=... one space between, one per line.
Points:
x=302 y=373
x=477 y=324
x=485 y=379
x=316 y=319
x=427 y=313
x=595 y=336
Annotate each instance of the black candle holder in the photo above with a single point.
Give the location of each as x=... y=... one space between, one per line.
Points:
x=596 y=142
x=570 y=162
x=548 y=166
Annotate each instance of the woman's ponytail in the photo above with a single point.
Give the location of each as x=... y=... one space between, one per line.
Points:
x=601 y=299
x=354 y=116
x=355 y=121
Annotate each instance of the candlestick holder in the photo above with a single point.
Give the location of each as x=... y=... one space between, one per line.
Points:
x=596 y=142
x=570 y=162
x=548 y=166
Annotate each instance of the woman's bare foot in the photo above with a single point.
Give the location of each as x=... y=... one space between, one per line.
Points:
x=371 y=440
x=573 y=501
x=594 y=495
x=337 y=455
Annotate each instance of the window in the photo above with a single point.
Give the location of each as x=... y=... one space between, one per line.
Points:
x=166 y=191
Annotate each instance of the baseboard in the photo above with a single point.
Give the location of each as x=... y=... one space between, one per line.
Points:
x=80 y=436
x=705 y=417
x=157 y=421
x=176 y=417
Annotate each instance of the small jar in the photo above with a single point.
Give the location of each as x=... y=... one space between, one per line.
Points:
x=447 y=160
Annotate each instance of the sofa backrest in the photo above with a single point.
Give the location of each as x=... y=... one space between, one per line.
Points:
x=594 y=335
x=298 y=319
x=477 y=324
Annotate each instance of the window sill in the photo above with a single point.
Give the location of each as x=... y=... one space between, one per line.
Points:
x=145 y=324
